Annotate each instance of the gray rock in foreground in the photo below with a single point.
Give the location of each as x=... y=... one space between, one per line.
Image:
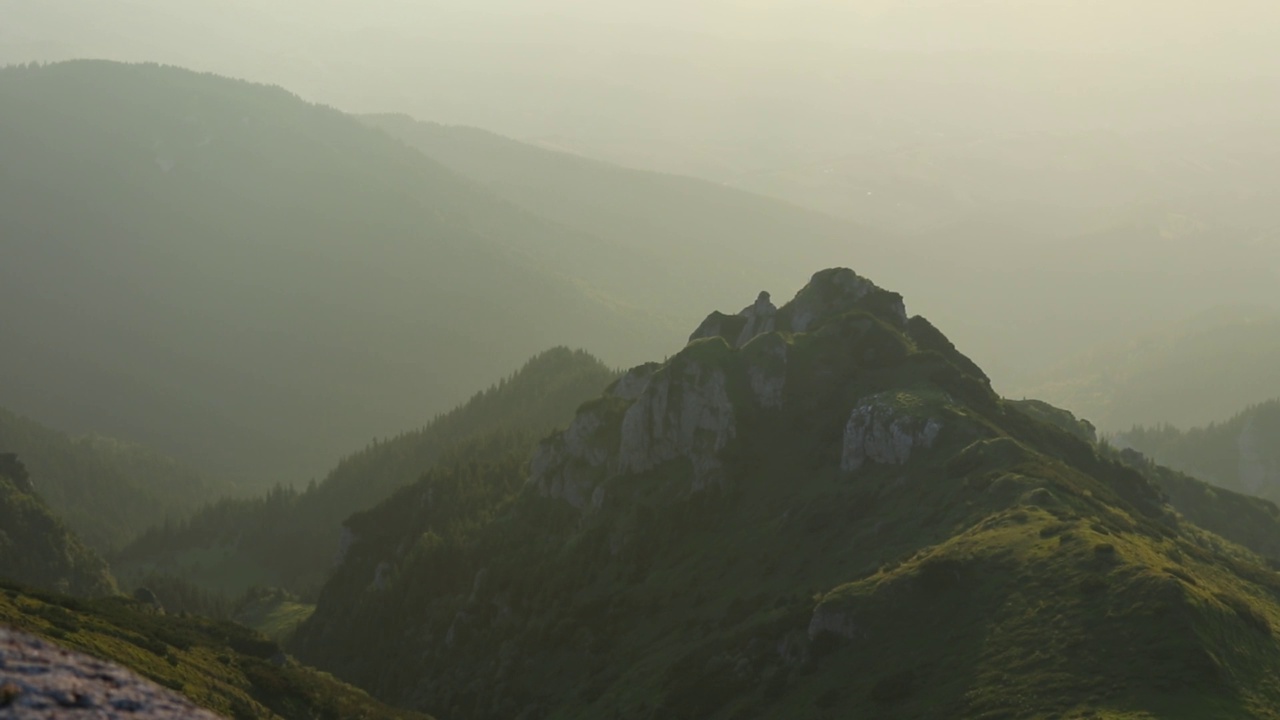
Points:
x=41 y=681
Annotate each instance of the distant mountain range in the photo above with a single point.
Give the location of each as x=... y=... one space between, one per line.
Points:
x=1030 y=249
x=254 y=284
x=1241 y=453
x=1188 y=373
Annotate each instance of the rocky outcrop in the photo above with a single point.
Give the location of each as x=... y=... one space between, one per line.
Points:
x=754 y=320
x=571 y=464
x=41 y=680
x=634 y=382
x=767 y=369
x=684 y=413
x=684 y=409
x=827 y=619
x=761 y=318
x=886 y=429
x=719 y=325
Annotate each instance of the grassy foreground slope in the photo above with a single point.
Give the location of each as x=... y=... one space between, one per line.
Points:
x=817 y=511
x=218 y=665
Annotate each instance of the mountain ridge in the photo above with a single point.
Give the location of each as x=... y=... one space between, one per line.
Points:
x=833 y=517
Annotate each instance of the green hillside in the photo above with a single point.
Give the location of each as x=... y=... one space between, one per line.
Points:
x=251 y=283
x=289 y=539
x=1242 y=453
x=219 y=665
x=36 y=548
x=813 y=511
x=106 y=490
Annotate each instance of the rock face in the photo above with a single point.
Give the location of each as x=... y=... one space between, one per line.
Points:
x=756 y=319
x=761 y=318
x=767 y=369
x=881 y=430
x=41 y=680
x=826 y=619
x=678 y=411
x=570 y=465
x=684 y=412
x=634 y=382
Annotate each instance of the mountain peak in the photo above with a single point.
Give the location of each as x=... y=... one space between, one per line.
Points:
x=743 y=369
x=829 y=294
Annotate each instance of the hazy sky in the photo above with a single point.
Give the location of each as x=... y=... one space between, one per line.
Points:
x=1066 y=172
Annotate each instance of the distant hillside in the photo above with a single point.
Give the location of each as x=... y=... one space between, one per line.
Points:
x=674 y=229
x=36 y=548
x=252 y=283
x=1190 y=373
x=1241 y=454
x=815 y=510
x=108 y=491
x=290 y=539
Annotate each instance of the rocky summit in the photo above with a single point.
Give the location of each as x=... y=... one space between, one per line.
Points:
x=817 y=510
x=689 y=408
